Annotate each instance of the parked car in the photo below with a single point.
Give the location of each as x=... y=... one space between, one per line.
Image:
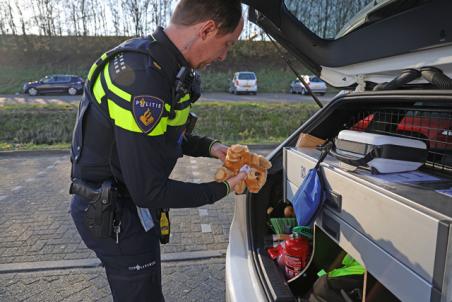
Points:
x=316 y=85
x=243 y=82
x=432 y=127
x=396 y=64
x=58 y=83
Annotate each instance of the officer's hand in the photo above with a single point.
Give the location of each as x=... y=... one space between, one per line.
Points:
x=219 y=151
x=235 y=180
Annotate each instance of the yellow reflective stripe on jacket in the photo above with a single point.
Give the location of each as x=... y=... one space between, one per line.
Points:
x=98 y=90
x=181 y=115
x=124 y=119
x=184 y=98
x=91 y=71
x=116 y=90
x=94 y=66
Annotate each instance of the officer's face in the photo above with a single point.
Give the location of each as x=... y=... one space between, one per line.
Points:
x=215 y=47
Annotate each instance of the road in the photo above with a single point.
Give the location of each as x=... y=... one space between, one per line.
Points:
x=211 y=96
x=42 y=257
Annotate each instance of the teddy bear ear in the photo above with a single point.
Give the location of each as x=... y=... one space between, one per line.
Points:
x=264 y=163
x=238 y=148
x=253 y=160
x=262 y=178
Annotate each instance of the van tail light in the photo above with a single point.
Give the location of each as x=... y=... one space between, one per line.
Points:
x=237 y=82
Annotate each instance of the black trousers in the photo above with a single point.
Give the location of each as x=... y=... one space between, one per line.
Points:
x=133 y=265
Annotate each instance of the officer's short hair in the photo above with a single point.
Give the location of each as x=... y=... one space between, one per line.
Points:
x=226 y=13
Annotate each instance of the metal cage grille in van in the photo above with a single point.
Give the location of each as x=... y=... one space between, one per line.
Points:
x=432 y=125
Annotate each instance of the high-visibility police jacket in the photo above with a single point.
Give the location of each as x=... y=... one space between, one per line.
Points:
x=125 y=129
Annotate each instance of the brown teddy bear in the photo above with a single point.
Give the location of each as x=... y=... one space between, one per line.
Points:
x=239 y=156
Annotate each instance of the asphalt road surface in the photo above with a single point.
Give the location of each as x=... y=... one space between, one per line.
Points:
x=211 y=96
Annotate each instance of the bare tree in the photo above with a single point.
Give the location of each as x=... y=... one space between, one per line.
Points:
x=3 y=18
x=84 y=17
x=43 y=16
x=58 y=20
x=136 y=10
x=93 y=17
x=36 y=18
x=102 y=20
x=125 y=18
x=116 y=17
x=23 y=26
x=11 y=23
x=74 y=17
x=49 y=13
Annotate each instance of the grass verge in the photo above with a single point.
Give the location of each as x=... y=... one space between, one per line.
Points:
x=32 y=127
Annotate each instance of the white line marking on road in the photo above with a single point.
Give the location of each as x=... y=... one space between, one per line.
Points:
x=2 y=197
x=193 y=161
x=50 y=167
x=203 y=212
x=195 y=173
x=196 y=180
x=206 y=228
x=16 y=188
x=41 y=173
x=29 y=179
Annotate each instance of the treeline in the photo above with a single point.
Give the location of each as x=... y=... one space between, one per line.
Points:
x=88 y=17
x=139 y=17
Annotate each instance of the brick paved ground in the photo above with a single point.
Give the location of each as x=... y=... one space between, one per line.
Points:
x=182 y=281
x=35 y=226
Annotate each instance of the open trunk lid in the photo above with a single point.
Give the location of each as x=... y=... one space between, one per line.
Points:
x=377 y=44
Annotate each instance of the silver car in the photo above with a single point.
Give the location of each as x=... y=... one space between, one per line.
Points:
x=315 y=84
x=395 y=64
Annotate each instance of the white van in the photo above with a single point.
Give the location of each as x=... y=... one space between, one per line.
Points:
x=243 y=82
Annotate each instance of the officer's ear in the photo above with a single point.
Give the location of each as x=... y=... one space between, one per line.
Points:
x=208 y=29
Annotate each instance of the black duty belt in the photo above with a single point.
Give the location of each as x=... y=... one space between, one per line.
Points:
x=93 y=191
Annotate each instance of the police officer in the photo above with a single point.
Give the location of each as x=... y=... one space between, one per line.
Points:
x=130 y=131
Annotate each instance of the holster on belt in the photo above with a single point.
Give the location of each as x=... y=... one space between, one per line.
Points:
x=100 y=213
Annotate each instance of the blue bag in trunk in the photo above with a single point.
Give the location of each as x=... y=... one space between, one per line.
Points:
x=309 y=197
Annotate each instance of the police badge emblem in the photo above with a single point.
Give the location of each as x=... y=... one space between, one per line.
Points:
x=147 y=111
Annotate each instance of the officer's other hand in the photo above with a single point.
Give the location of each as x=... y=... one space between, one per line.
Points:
x=219 y=151
x=235 y=180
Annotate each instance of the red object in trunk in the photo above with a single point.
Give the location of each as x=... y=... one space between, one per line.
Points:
x=292 y=255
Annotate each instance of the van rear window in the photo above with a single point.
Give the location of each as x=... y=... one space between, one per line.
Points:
x=247 y=76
